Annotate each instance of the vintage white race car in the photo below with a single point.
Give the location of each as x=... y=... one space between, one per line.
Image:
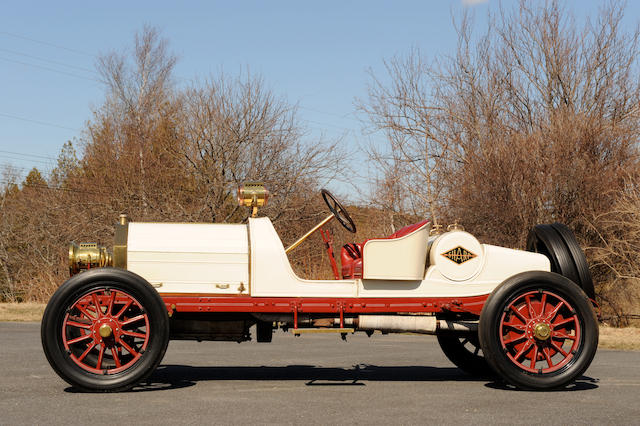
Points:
x=523 y=316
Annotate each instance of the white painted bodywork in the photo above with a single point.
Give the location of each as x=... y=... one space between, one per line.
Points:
x=190 y=258
x=271 y=272
x=401 y=258
x=222 y=259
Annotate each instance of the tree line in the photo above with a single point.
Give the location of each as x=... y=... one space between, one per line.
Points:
x=535 y=120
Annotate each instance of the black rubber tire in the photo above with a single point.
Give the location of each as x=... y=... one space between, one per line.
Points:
x=71 y=291
x=579 y=260
x=464 y=351
x=497 y=304
x=544 y=239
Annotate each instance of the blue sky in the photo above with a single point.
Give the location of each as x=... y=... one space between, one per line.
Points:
x=313 y=53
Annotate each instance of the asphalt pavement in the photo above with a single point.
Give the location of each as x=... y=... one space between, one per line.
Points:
x=313 y=379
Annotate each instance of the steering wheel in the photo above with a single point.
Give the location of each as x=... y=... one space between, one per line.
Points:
x=338 y=211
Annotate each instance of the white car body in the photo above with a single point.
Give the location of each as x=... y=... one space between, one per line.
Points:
x=250 y=260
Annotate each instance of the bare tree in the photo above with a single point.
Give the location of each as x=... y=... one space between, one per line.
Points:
x=234 y=130
x=536 y=120
x=162 y=154
x=403 y=112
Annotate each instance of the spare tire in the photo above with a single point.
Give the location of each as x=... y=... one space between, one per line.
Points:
x=580 y=261
x=557 y=242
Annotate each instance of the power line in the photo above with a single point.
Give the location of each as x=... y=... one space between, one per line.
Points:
x=43 y=123
x=46 y=157
x=25 y=159
x=47 y=43
x=49 y=61
x=50 y=69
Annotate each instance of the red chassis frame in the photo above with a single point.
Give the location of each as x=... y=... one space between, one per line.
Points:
x=338 y=306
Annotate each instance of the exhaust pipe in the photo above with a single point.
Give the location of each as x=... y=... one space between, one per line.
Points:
x=409 y=324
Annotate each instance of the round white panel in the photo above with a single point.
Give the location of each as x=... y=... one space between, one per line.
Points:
x=458 y=255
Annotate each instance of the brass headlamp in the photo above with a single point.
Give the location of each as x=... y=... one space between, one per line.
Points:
x=85 y=256
x=254 y=195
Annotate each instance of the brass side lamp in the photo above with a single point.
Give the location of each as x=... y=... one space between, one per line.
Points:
x=254 y=195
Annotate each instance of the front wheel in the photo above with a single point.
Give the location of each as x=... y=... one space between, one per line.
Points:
x=105 y=330
x=538 y=331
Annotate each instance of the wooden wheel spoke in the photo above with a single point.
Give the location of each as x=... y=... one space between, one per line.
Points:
x=116 y=358
x=515 y=339
x=518 y=314
x=543 y=303
x=80 y=339
x=554 y=311
x=563 y=322
x=559 y=349
x=524 y=349
x=128 y=348
x=100 y=357
x=532 y=313
x=78 y=324
x=132 y=320
x=86 y=352
x=96 y=302
x=545 y=351
x=124 y=308
x=560 y=335
x=133 y=334
x=86 y=313
x=519 y=327
x=111 y=302
x=534 y=358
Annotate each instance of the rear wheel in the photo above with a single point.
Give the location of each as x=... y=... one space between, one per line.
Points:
x=464 y=351
x=538 y=331
x=105 y=330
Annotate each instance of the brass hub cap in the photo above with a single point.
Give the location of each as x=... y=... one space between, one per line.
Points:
x=105 y=330
x=542 y=331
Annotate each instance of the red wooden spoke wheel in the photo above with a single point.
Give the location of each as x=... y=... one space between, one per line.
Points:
x=538 y=331
x=105 y=330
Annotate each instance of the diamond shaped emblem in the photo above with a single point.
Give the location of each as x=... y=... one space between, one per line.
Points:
x=459 y=255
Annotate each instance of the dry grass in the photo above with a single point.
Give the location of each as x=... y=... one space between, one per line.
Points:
x=626 y=339
x=21 y=311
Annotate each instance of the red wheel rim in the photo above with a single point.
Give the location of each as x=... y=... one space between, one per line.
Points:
x=105 y=331
x=540 y=332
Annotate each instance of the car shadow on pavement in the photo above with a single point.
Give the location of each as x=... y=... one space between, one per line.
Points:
x=179 y=376
x=581 y=384
x=167 y=377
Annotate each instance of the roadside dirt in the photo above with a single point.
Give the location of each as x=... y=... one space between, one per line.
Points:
x=626 y=339
x=21 y=312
